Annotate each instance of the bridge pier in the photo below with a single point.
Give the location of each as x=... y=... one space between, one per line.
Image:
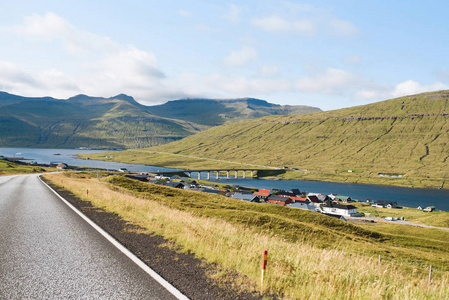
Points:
x=217 y=174
x=199 y=175
x=236 y=174
x=244 y=174
x=208 y=175
x=227 y=174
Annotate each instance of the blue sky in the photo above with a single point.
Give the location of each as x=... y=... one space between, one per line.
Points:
x=329 y=54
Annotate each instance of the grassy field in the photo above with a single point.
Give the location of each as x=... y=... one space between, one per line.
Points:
x=435 y=218
x=310 y=255
x=406 y=137
x=10 y=168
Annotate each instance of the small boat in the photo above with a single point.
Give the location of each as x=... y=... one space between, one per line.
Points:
x=57 y=154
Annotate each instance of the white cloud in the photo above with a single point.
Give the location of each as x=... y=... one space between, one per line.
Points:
x=411 y=87
x=269 y=70
x=17 y=80
x=242 y=86
x=241 y=57
x=107 y=68
x=12 y=76
x=337 y=82
x=332 y=82
x=233 y=15
x=277 y=24
x=47 y=27
x=132 y=65
x=50 y=27
x=385 y=91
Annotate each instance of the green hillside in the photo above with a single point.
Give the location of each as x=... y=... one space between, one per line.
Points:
x=405 y=139
x=117 y=122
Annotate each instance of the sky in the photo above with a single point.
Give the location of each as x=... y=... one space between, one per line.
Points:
x=327 y=54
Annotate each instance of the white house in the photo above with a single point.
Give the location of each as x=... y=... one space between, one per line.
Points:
x=339 y=209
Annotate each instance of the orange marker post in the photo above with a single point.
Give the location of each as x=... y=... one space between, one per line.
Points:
x=87 y=193
x=264 y=266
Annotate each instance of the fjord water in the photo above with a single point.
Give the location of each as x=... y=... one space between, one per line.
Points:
x=409 y=197
x=45 y=156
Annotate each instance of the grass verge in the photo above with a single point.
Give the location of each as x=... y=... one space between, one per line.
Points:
x=310 y=255
x=10 y=168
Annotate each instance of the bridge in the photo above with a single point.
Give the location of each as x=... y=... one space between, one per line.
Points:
x=251 y=172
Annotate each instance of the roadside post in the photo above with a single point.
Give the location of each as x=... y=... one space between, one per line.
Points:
x=264 y=266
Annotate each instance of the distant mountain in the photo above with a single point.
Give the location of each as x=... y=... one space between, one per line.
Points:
x=116 y=122
x=405 y=138
x=213 y=112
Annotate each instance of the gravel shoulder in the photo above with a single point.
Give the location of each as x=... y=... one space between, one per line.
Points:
x=187 y=273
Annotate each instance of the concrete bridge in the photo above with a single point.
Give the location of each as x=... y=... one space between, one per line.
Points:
x=229 y=172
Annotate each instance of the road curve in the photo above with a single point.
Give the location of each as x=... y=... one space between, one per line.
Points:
x=47 y=251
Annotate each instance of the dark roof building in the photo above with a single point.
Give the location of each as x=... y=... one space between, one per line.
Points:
x=385 y=203
x=279 y=200
x=245 y=197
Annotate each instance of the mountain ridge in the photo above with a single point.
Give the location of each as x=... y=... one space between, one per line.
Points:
x=97 y=122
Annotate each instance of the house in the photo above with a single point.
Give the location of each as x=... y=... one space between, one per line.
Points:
x=62 y=166
x=314 y=199
x=429 y=209
x=385 y=204
x=339 y=209
x=166 y=177
x=344 y=199
x=303 y=205
x=296 y=192
x=279 y=200
x=299 y=199
x=175 y=184
x=320 y=197
x=285 y=194
x=245 y=197
x=262 y=194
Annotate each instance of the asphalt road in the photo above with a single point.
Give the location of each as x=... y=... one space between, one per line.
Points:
x=47 y=251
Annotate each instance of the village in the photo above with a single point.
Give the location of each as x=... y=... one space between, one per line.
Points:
x=332 y=205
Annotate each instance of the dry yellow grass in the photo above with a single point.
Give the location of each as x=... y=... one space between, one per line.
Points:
x=295 y=270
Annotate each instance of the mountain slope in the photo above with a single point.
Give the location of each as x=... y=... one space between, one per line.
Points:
x=214 y=112
x=117 y=122
x=82 y=121
x=406 y=137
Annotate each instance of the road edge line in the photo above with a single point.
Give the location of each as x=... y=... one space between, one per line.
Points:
x=174 y=291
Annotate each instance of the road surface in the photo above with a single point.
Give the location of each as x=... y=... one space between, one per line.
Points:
x=47 y=251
